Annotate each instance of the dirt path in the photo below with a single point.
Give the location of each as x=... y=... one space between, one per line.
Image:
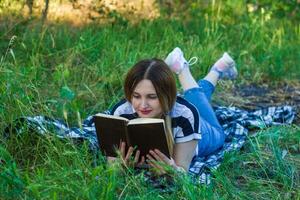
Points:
x=255 y=96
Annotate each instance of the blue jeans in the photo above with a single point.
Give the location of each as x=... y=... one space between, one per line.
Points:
x=212 y=133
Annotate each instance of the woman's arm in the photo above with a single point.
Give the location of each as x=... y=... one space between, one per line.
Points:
x=184 y=152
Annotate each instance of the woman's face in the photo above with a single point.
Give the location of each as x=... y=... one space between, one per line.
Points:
x=145 y=100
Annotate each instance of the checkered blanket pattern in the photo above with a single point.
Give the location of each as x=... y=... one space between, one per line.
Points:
x=236 y=123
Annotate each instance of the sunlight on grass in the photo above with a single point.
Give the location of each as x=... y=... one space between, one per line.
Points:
x=82 y=12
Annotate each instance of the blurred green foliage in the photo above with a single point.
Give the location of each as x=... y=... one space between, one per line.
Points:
x=231 y=10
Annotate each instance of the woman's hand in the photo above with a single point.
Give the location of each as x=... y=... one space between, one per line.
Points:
x=157 y=159
x=126 y=158
x=110 y=159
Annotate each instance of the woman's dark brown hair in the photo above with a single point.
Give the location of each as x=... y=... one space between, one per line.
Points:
x=159 y=74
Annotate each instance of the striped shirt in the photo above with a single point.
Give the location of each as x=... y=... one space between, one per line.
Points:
x=184 y=117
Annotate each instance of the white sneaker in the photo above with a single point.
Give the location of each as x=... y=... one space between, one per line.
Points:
x=176 y=61
x=225 y=66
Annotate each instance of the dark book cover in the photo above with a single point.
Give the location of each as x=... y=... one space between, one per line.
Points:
x=143 y=134
x=148 y=136
x=110 y=132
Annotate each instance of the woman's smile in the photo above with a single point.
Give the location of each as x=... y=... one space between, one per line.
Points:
x=145 y=112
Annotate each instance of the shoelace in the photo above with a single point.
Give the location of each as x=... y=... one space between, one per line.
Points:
x=193 y=60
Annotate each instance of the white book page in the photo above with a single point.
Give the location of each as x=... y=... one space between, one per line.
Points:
x=111 y=116
x=145 y=121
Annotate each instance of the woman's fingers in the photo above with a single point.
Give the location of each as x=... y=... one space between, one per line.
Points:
x=154 y=163
x=122 y=149
x=159 y=156
x=151 y=161
x=165 y=159
x=111 y=160
x=142 y=160
x=155 y=155
x=136 y=157
x=162 y=156
x=129 y=153
x=128 y=160
x=157 y=160
x=154 y=158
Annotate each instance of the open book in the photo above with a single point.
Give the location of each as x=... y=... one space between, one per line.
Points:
x=142 y=133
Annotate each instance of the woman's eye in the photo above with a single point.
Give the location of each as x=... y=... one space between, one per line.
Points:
x=136 y=96
x=153 y=97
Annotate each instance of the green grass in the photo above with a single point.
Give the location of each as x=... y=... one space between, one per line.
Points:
x=58 y=169
x=71 y=72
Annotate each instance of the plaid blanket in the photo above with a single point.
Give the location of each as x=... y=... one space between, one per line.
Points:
x=236 y=124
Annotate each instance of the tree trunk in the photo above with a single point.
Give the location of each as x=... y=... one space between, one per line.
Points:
x=29 y=3
x=45 y=11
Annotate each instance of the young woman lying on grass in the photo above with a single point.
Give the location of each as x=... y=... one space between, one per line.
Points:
x=192 y=126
